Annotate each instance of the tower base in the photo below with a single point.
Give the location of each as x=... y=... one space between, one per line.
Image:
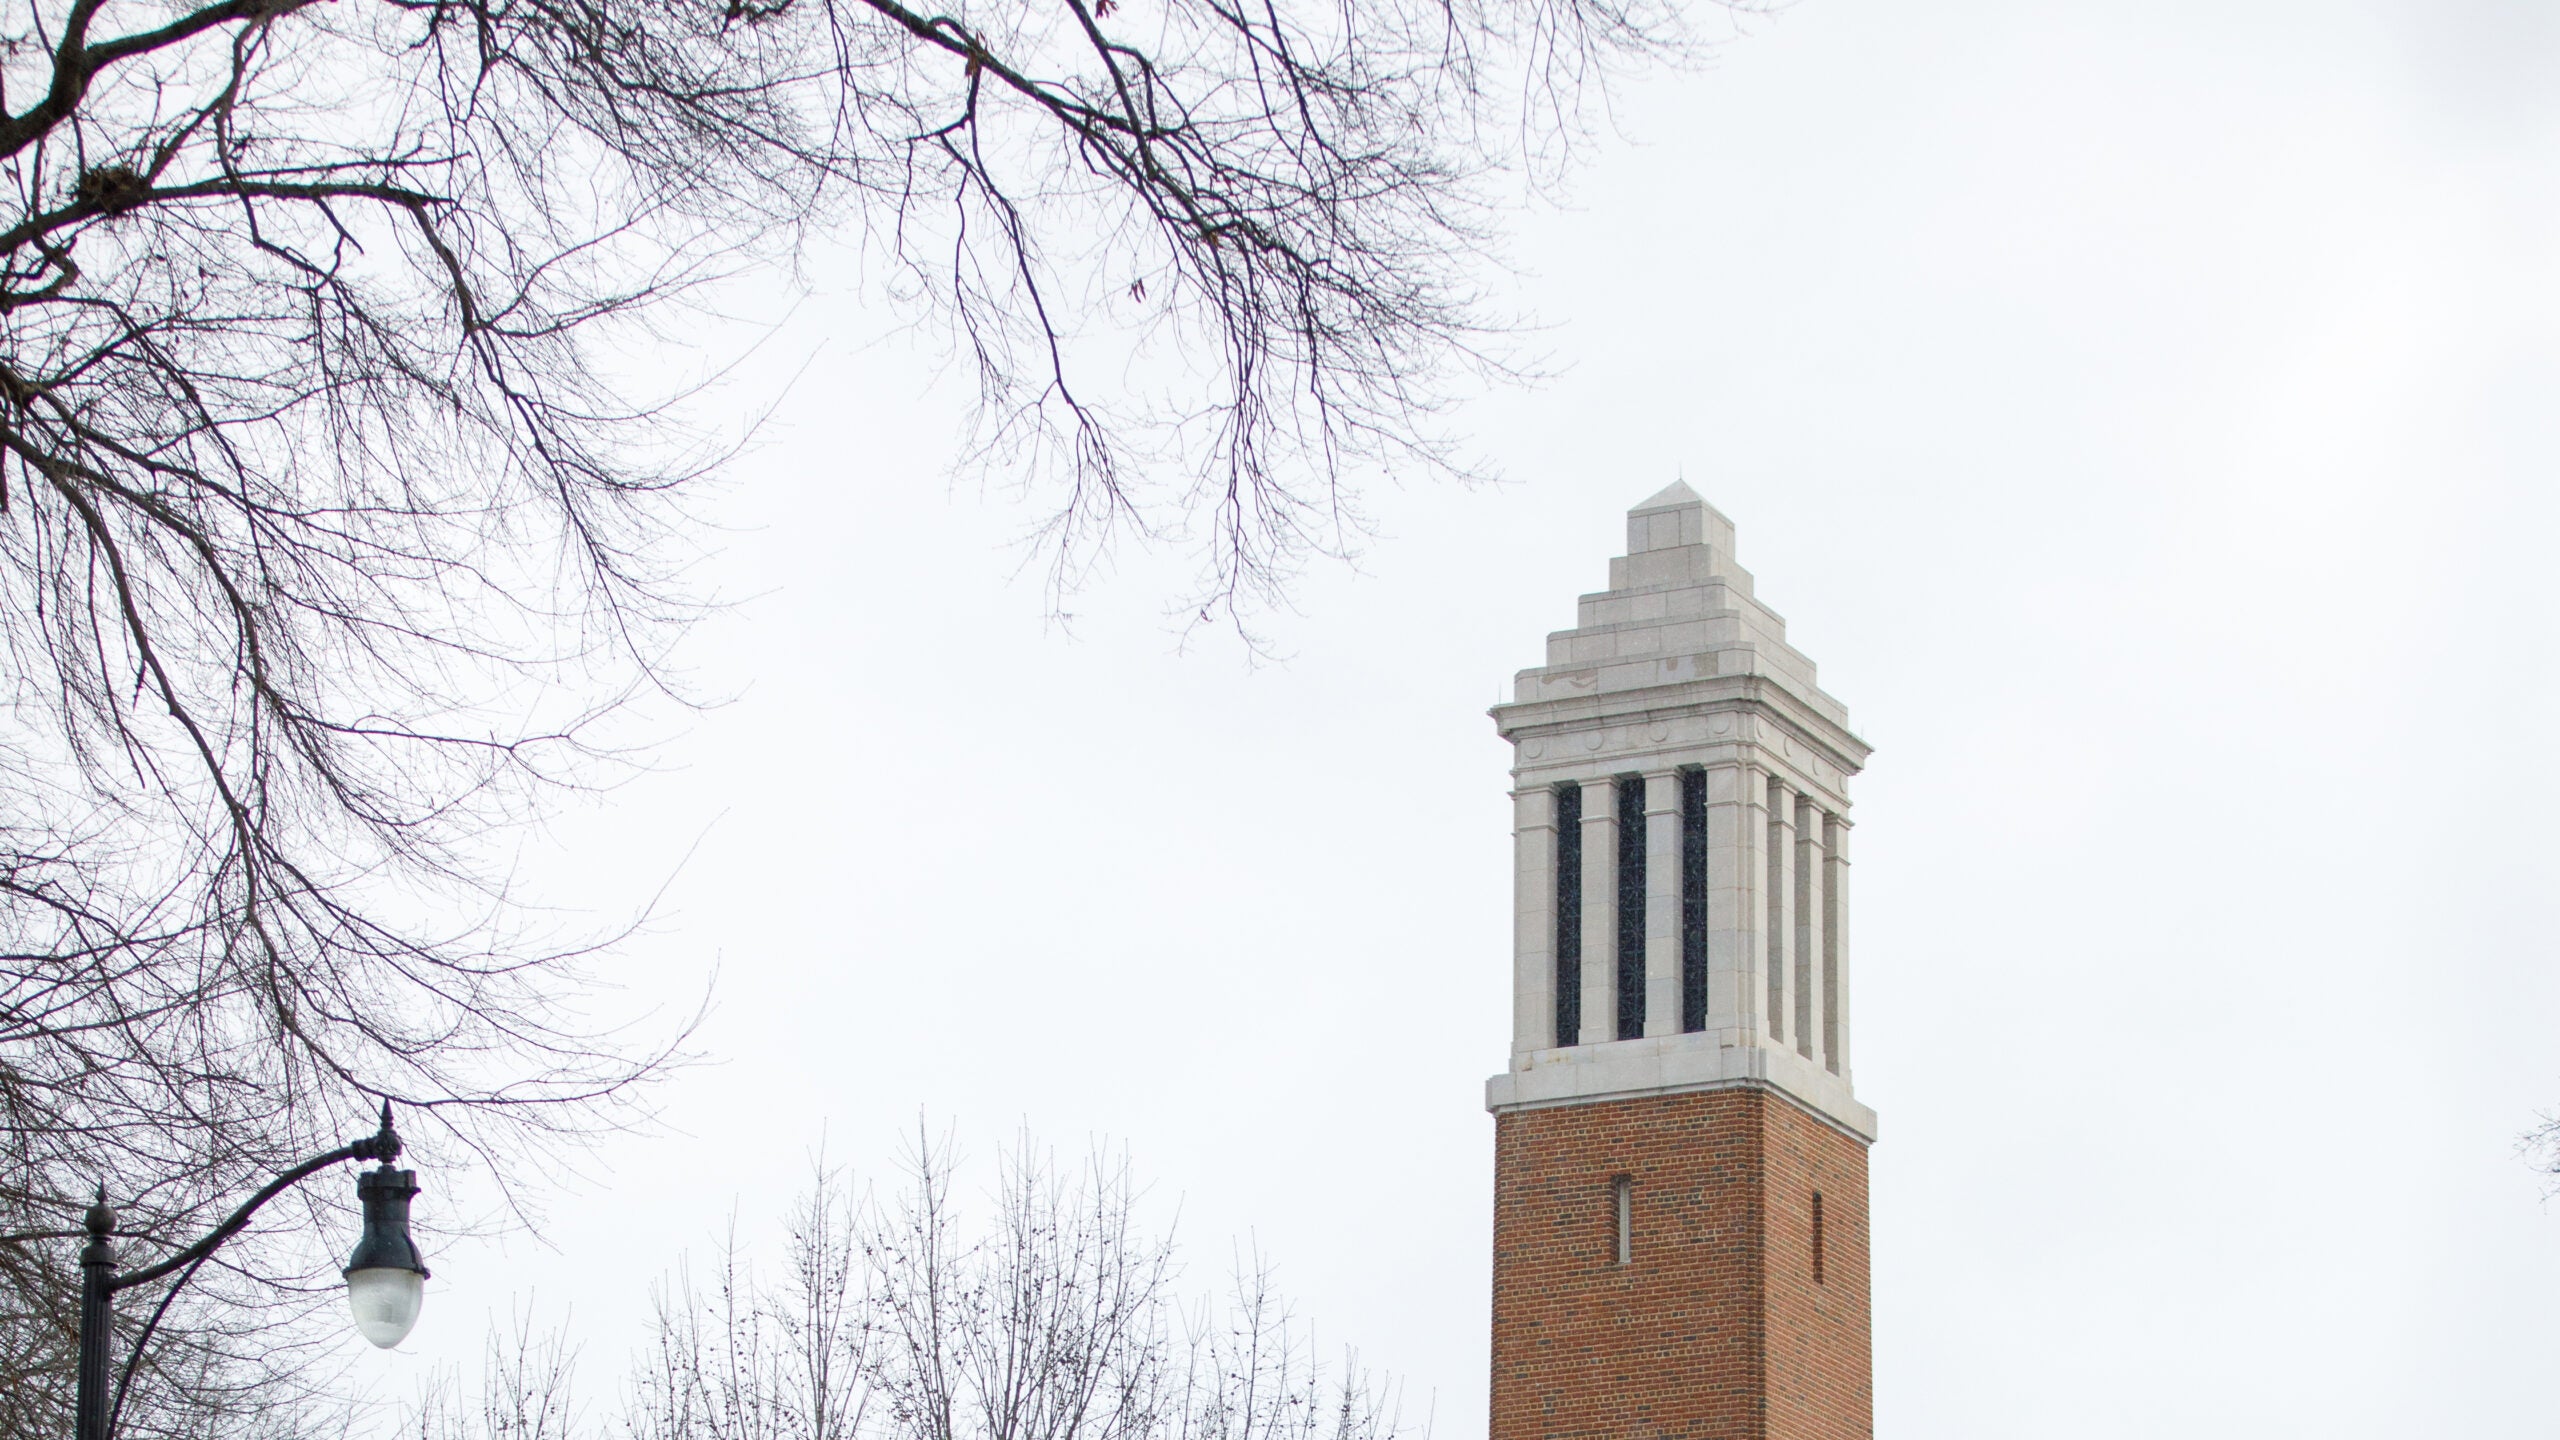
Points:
x=1734 y=1314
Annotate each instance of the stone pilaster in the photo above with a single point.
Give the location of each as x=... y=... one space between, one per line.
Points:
x=1785 y=996
x=1662 y=903
x=1599 y=911
x=1533 y=919
x=1806 y=947
x=1737 y=866
x=1835 y=934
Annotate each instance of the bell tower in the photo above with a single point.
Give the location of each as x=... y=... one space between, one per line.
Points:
x=1680 y=1201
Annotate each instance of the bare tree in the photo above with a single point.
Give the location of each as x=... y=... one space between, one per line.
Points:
x=2540 y=1147
x=527 y=1391
x=747 y=1361
x=1052 y=1326
x=332 y=541
x=1062 y=1318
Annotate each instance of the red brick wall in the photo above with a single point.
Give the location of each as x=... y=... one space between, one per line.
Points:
x=1820 y=1377
x=1717 y=1330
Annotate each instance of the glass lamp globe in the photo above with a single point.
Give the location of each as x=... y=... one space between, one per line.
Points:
x=385 y=1301
x=386 y=1281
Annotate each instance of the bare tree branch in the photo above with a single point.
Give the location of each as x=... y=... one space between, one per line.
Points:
x=332 y=547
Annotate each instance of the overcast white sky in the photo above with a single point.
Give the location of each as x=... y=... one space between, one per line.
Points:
x=2144 y=416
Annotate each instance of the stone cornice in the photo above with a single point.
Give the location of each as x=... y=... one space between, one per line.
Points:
x=1757 y=695
x=1671 y=1065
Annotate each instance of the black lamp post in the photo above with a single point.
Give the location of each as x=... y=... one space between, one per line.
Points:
x=385 y=1278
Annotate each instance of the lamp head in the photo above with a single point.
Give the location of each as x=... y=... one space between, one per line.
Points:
x=386 y=1279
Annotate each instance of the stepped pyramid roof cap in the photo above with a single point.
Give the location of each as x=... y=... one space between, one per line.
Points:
x=1680 y=628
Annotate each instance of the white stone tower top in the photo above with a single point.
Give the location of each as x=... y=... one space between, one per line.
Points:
x=1681 y=806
